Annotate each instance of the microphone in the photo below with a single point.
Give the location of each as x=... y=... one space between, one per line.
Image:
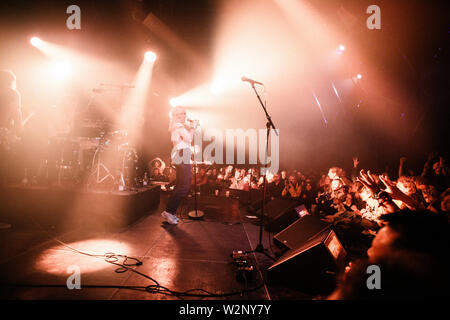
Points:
x=251 y=81
x=195 y=123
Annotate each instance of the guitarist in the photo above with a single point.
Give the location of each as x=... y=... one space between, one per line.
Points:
x=10 y=119
x=10 y=124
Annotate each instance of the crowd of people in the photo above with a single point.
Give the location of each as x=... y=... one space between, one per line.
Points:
x=337 y=196
x=353 y=203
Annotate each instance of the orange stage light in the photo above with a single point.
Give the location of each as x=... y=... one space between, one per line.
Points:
x=150 y=56
x=35 y=41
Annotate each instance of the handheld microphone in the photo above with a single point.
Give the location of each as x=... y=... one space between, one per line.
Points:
x=245 y=79
x=194 y=123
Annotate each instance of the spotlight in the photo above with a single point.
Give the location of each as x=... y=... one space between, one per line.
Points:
x=359 y=76
x=150 y=56
x=174 y=102
x=341 y=47
x=35 y=41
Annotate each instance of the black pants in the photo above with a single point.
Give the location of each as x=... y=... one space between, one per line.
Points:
x=182 y=184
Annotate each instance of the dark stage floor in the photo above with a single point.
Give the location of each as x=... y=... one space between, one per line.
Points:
x=195 y=254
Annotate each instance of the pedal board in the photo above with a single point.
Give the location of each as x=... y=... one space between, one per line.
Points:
x=244 y=269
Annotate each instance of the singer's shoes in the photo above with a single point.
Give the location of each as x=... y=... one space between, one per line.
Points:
x=170 y=218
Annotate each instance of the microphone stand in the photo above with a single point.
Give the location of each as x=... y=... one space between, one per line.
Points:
x=269 y=125
x=195 y=214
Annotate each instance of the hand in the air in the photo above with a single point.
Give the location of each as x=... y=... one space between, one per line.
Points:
x=355 y=162
x=369 y=181
x=391 y=188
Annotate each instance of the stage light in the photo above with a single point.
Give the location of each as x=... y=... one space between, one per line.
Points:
x=150 y=56
x=174 y=102
x=340 y=49
x=35 y=41
x=359 y=76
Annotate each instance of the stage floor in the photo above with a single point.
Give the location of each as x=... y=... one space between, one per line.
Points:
x=35 y=263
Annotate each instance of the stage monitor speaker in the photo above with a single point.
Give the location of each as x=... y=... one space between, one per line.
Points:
x=311 y=267
x=299 y=232
x=279 y=213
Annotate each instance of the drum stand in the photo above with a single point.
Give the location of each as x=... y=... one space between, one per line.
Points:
x=61 y=167
x=64 y=166
x=99 y=166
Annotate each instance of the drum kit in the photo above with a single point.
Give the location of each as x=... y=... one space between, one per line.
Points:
x=105 y=161
x=95 y=153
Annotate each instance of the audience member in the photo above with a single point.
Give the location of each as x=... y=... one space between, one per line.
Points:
x=292 y=188
x=276 y=186
x=410 y=254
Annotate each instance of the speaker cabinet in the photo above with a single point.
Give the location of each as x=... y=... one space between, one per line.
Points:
x=279 y=213
x=299 y=232
x=312 y=266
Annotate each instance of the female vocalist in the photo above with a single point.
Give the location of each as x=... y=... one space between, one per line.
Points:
x=182 y=132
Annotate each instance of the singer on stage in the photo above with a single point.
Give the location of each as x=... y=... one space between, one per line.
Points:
x=182 y=132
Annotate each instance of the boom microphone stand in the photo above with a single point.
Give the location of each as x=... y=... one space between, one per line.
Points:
x=269 y=125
